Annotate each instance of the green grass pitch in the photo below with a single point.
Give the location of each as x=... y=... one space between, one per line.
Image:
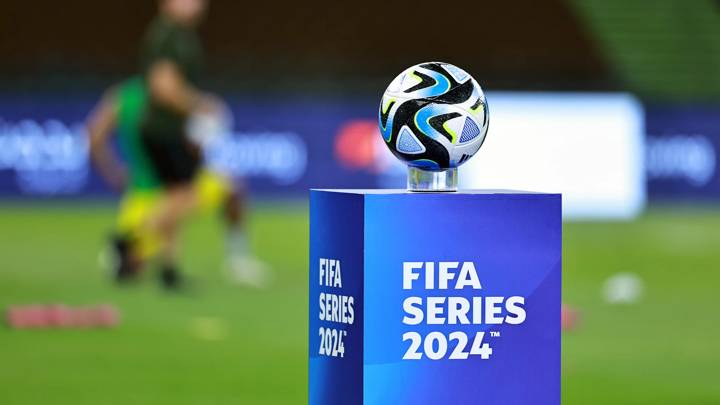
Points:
x=221 y=344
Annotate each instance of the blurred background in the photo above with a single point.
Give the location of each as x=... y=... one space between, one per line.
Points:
x=614 y=103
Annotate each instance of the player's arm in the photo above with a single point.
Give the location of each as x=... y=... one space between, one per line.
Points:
x=100 y=124
x=169 y=88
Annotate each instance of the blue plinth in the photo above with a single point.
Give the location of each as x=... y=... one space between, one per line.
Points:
x=434 y=298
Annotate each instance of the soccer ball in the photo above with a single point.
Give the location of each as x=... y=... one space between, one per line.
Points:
x=434 y=116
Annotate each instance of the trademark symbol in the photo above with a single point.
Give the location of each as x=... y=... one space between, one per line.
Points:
x=494 y=334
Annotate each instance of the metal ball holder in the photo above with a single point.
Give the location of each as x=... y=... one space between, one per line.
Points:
x=426 y=180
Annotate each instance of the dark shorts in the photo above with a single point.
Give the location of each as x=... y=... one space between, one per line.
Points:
x=174 y=159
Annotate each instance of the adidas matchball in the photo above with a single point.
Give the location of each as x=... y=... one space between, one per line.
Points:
x=434 y=116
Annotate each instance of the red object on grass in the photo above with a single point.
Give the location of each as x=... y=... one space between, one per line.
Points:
x=61 y=316
x=570 y=317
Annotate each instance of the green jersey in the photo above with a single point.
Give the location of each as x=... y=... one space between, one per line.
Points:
x=131 y=101
x=169 y=41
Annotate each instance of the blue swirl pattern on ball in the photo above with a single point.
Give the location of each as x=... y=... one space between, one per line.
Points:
x=470 y=131
x=434 y=116
x=408 y=143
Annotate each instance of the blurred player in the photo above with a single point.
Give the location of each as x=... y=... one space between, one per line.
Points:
x=136 y=241
x=152 y=115
x=171 y=60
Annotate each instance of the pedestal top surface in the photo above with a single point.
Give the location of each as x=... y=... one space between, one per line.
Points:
x=404 y=191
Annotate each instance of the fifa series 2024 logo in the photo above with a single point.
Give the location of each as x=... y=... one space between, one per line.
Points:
x=441 y=309
x=444 y=309
x=335 y=308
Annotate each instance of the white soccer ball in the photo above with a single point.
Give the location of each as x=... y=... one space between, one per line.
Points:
x=434 y=116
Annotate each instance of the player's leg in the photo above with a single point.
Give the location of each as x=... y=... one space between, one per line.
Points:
x=244 y=266
x=177 y=203
x=132 y=243
x=124 y=264
x=218 y=193
x=176 y=163
x=233 y=214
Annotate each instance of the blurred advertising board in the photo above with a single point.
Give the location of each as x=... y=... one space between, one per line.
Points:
x=683 y=148
x=588 y=146
x=277 y=148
